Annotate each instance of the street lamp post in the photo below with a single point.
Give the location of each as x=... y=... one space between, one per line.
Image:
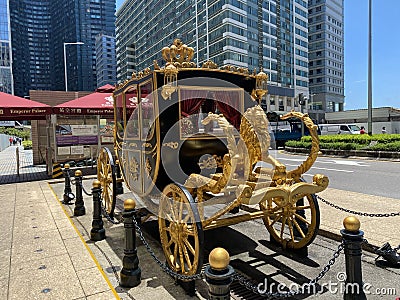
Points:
x=65 y=62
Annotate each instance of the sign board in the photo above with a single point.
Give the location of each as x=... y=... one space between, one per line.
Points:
x=79 y=130
x=76 y=150
x=63 y=150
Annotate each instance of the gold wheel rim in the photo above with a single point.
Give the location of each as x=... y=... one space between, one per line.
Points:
x=291 y=225
x=104 y=175
x=178 y=231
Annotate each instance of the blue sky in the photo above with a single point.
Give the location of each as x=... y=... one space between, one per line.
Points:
x=385 y=53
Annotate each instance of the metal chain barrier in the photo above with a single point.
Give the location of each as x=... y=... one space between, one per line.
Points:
x=386 y=251
x=106 y=215
x=254 y=288
x=83 y=189
x=71 y=180
x=242 y=280
x=373 y=215
x=164 y=266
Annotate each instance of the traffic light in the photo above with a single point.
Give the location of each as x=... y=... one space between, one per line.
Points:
x=302 y=99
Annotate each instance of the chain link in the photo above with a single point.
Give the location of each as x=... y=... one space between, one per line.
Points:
x=72 y=181
x=242 y=280
x=254 y=288
x=373 y=215
x=83 y=189
x=164 y=266
x=105 y=213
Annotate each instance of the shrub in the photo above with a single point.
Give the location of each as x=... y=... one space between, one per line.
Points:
x=298 y=144
x=27 y=144
x=390 y=146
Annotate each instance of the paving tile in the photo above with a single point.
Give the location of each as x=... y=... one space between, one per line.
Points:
x=92 y=281
x=3 y=287
x=147 y=293
x=103 y=296
x=5 y=261
x=38 y=245
x=54 y=278
x=80 y=256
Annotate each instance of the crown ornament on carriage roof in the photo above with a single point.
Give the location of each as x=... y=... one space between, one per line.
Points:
x=179 y=54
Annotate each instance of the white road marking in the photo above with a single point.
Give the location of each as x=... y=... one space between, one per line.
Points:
x=327 y=169
x=333 y=161
x=336 y=170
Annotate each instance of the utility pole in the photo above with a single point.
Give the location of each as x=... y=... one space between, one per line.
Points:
x=370 y=69
x=302 y=102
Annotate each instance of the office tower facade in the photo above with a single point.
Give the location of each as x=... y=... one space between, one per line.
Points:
x=265 y=34
x=105 y=60
x=326 y=56
x=6 y=78
x=39 y=31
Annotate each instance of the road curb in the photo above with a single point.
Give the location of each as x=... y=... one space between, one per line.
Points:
x=346 y=153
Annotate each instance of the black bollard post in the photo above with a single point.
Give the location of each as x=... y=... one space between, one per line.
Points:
x=79 y=209
x=130 y=273
x=68 y=196
x=119 y=188
x=97 y=233
x=219 y=274
x=353 y=238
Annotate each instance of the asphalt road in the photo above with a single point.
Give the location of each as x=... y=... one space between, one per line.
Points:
x=372 y=177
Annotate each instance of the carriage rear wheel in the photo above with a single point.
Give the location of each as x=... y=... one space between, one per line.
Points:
x=106 y=174
x=181 y=231
x=294 y=225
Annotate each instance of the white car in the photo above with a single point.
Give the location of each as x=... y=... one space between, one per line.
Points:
x=328 y=129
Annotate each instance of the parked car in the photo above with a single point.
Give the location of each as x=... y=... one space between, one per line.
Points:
x=285 y=130
x=329 y=129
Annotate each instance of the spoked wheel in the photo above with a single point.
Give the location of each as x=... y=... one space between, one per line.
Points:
x=181 y=231
x=294 y=225
x=106 y=176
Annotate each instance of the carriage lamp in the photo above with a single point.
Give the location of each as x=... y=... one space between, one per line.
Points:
x=170 y=81
x=261 y=85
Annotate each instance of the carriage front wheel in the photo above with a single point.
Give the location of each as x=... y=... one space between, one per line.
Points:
x=181 y=231
x=106 y=174
x=294 y=225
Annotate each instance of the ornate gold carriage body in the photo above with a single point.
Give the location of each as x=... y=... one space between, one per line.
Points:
x=193 y=144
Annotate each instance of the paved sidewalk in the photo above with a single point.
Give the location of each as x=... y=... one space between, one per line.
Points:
x=27 y=171
x=42 y=254
x=45 y=253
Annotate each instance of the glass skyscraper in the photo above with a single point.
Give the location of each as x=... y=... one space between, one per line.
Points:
x=39 y=31
x=6 y=78
x=267 y=34
x=326 y=56
x=105 y=60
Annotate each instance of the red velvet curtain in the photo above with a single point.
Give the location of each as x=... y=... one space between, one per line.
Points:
x=229 y=104
x=191 y=101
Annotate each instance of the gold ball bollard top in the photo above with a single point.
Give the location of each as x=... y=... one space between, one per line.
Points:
x=66 y=166
x=352 y=224
x=129 y=204
x=96 y=184
x=219 y=259
x=78 y=173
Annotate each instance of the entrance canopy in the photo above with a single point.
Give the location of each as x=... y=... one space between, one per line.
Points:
x=17 y=108
x=98 y=103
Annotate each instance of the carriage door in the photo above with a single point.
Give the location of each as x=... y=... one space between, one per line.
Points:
x=148 y=135
x=131 y=147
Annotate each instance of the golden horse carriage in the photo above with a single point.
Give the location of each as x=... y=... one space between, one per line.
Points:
x=193 y=144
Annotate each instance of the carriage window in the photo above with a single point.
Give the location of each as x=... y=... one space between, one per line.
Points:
x=195 y=105
x=146 y=104
x=119 y=112
x=132 y=113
